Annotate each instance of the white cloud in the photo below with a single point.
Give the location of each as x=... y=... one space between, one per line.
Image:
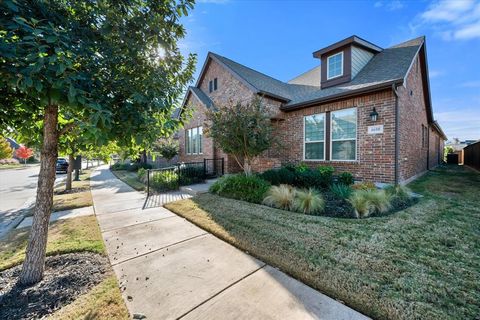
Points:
x=453 y=19
x=460 y=123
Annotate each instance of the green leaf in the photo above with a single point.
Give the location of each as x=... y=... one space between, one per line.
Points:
x=51 y=39
x=60 y=69
x=38 y=86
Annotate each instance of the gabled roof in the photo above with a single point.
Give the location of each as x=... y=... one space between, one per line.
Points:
x=261 y=83
x=350 y=40
x=201 y=96
x=389 y=67
x=386 y=68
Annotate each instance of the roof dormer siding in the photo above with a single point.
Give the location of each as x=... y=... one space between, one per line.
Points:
x=360 y=58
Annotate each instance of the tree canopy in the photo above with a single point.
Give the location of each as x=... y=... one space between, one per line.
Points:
x=242 y=130
x=107 y=70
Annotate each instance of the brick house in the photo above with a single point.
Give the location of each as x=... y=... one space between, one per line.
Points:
x=364 y=109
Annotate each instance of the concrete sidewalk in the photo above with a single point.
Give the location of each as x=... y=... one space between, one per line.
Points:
x=170 y=269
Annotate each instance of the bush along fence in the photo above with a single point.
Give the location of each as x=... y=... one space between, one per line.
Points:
x=471 y=155
x=182 y=174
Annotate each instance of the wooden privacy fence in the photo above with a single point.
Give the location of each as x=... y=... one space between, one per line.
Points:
x=471 y=155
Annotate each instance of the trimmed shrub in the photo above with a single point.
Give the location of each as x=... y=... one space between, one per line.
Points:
x=326 y=172
x=142 y=174
x=346 y=178
x=9 y=161
x=301 y=167
x=341 y=191
x=278 y=176
x=239 y=186
x=118 y=166
x=310 y=179
x=280 y=197
x=137 y=165
x=165 y=180
x=308 y=201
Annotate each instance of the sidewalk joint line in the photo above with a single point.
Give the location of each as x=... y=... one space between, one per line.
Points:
x=136 y=224
x=224 y=289
x=168 y=246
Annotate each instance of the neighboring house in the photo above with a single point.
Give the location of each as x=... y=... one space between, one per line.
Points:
x=326 y=116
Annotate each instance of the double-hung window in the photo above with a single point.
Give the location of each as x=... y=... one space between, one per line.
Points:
x=344 y=134
x=314 y=137
x=335 y=65
x=194 y=140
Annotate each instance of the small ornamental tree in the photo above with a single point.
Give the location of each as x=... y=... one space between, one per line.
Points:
x=24 y=153
x=243 y=131
x=167 y=149
x=6 y=151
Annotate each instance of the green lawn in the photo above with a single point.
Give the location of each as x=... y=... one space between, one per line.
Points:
x=64 y=236
x=419 y=263
x=130 y=178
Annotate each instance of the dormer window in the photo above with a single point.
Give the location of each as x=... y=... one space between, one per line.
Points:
x=335 y=65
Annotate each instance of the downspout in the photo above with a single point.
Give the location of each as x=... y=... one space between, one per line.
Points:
x=397 y=139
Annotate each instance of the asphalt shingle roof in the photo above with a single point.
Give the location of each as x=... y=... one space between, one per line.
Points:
x=387 y=66
x=202 y=96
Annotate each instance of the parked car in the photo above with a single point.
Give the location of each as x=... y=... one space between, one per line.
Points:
x=62 y=165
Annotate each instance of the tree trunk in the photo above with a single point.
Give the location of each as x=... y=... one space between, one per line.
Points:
x=247 y=167
x=33 y=267
x=68 y=183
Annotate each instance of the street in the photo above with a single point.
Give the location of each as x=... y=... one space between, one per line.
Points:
x=17 y=190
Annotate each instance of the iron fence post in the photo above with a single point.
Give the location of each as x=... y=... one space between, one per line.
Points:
x=148 y=183
x=223 y=166
x=204 y=168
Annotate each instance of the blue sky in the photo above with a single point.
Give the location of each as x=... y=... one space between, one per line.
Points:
x=278 y=38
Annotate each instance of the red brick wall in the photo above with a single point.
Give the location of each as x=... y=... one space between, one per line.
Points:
x=435 y=148
x=412 y=115
x=197 y=120
x=229 y=89
x=375 y=153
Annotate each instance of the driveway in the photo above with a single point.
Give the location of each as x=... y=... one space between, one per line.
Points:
x=170 y=269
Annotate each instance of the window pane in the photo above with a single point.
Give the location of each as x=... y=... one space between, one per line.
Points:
x=314 y=128
x=335 y=65
x=343 y=150
x=194 y=140
x=187 y=140
x=314 y=151
x=344 y=124
x=215 y=84
x=200 y=139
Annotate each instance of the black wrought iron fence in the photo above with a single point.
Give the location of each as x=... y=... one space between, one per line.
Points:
x=182 y=174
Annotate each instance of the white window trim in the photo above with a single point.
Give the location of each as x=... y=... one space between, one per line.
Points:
x=324 y=136
x=190 y=142
x=331 y=137
x=328 y=66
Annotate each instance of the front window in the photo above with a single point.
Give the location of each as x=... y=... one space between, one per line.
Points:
x=314 y=137
x=344 y=134
x=194 y=141
x=335 y=65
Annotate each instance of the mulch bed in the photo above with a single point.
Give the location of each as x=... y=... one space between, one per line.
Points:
x=66 y=277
